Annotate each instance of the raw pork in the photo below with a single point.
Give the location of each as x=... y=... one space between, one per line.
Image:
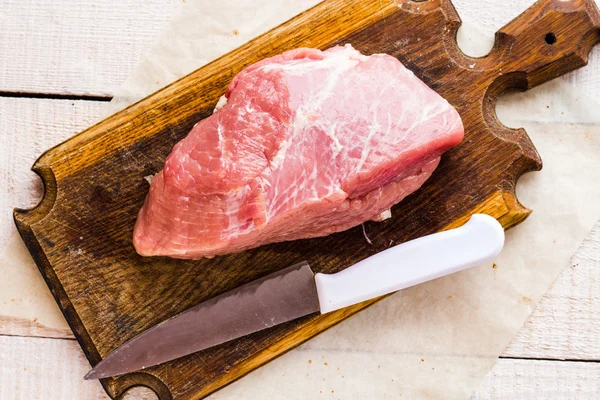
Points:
x=302 y=145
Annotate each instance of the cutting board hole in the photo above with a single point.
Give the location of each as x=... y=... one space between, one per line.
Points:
x=473 y=42
x=550 y=38
x=140 y=393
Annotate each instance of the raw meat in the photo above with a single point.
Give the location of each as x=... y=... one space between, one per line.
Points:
x=302 y=145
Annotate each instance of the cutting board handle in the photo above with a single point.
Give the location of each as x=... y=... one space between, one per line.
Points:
x=549 y=39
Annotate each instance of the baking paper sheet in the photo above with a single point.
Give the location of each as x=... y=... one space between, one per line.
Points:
x=435 y=341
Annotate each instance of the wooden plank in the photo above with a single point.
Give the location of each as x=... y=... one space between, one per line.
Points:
x=52 y=46
x=31 y=367
x=27 y=128
x=533 y=379
x=566 y=322
x=564 y=325
x=51 y=369
x=106 y=297
x=33 y=116
x=86 y=47
x=26 y=305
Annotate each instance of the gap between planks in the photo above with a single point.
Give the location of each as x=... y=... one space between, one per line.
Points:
x=594 y=361
x=54 y=96
x=524 y=358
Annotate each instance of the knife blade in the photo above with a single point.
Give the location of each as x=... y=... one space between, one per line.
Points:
x=296 y=291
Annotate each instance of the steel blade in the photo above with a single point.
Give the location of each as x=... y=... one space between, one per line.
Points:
x=274 y=299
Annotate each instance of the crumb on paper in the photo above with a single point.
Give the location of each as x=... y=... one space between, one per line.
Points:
x=236 y=32
x=448 y=297
x=365 y=235
x=525 y=300
x=494 y=266
x=325 y=364
x=310 y=361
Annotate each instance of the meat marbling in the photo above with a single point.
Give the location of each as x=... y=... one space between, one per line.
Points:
x=302 y=145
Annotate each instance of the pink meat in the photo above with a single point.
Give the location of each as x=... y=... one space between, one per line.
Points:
x=308 y=143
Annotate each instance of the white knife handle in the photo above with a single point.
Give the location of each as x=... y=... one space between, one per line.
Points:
x=411 y=263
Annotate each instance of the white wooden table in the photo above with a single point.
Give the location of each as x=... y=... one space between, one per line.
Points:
x=60 y=61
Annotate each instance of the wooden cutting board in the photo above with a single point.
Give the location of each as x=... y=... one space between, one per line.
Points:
x=80 y=234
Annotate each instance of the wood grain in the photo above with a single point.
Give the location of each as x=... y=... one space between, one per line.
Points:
x=83 y=247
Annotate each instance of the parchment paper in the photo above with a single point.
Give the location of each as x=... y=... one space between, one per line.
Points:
x=435 y=341
x=439 y=339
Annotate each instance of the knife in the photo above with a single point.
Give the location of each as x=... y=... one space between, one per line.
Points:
x=296 y=291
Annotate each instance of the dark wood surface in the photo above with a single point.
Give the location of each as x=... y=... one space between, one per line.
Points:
x=80 y=234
